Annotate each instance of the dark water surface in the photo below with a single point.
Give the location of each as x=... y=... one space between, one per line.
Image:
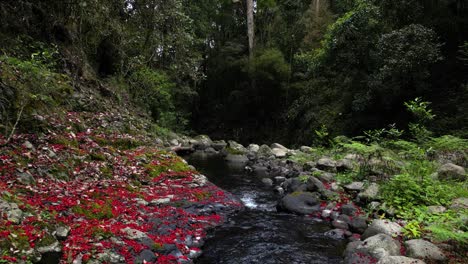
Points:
x=260 y=234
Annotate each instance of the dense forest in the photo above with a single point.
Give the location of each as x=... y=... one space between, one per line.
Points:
x=343 y=67
x=107 y=106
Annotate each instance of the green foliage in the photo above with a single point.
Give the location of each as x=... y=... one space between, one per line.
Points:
x=420 y=109
x=448 y=143
x=323 y=137
x=412 y=230
x=304 y=178
x=29 y=87
x=377 y=135
x=269 y=66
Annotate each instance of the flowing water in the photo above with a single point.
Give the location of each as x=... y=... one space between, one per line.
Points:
x=261 y=234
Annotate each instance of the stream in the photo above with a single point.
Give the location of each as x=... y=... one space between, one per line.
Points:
x=259 y=233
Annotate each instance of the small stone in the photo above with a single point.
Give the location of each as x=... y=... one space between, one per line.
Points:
x=459 y=203
x=267 y=182
x=193 y=254
x=28 y=145
x=399 y=260
x=355 y=186
x=348 y=209
x=336 y=233
x=436 y=209
x=52 y=248
x=340 y=224
x=306 y=149
x=280 y=179
x=253 y=148
x=62 y=232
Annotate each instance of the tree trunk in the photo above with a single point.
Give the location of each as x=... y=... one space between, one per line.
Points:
x=250 y=26
x=317 y=8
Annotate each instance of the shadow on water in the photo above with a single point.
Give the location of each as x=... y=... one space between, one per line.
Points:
x=260 y=234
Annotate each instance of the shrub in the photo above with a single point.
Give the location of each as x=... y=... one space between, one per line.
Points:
x=29 y=87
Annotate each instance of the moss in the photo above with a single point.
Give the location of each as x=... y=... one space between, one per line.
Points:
x=233 y=151
x=203 y=195
x=95 y=210
x=97 y=157
x=47 y=240
x=61 y=140
x=176 y=166
x=106 y=171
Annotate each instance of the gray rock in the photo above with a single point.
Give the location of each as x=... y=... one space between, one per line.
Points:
x=422 y=249
x=111 y=257
x=344 y=165
x=370 y=193
x=358 y=224
x=314 y=184
x=354 y=186
x=236 y=146
x=202 y=142
x=12 y=212
x=354 y=256
x=306 y=149
x=193 y=254
x=264 y=151
x=25 y=178
x=340 y=224
x=326 y=164
x=399 y=260
x=253 y=148
x=174 y=142
x=52 y=248
x=28 y=145
x=459 y=203
x=146 y=255
x=336 y=233
x=280 y=179
x=279 y=190
x=381 y=226
x=324 y=176
x=219 y=145
x=348 y=209
x=267 y=182
x=279 y=153
x=310 y=165
x=380 y=245
x=134 y=234
x=62 y=232
x=450 y=171
x=436 y=209
x=211 y=150
x=278 y=146
x=300 y=203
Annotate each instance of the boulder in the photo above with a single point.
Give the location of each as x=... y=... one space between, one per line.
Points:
x=459 y=203
x=306 y=149
x=264 y=151
x=382 y=226
x=236 y=147
x=340 y=224
x=344 y=165
x=279 y=153
x=422 y=249
x=348 y=209
x=278 y=146
x=309 y=166
x=370 y=193
x=219 y=145
x=300 y=203
x=399 y=260
x=354 y=187
x=353 y=256
x=450 y=171
x=380 y=245
x=326 y=164
x=253 y=148
x=358 y=224
x=202 y=142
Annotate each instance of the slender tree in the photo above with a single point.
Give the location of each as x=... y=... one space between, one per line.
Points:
x=250 y=26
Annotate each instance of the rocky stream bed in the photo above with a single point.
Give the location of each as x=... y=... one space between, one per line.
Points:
x=83 y=191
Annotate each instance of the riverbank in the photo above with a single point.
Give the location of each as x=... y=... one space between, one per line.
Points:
x=334 y=187
x=82 y=191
